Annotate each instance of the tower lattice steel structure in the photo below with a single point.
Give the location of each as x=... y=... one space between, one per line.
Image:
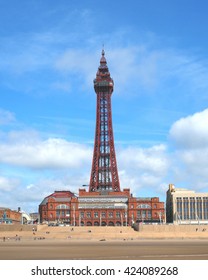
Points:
x=104 y=173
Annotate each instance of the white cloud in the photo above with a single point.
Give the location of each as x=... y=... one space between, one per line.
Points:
x=8 y=184
x=142 y=167
x=190 y=136
x=47 y=154
x=196 y=162
x=152 y=159
x=191 y=132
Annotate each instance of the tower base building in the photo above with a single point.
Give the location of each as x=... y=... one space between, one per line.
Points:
x=100 y=209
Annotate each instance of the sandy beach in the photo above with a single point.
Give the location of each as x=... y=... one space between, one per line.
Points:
x=101 y=243
x=106 y=250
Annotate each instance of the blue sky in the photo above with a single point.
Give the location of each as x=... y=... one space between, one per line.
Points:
x=49 y=54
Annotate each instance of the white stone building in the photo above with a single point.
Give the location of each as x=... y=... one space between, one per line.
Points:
x=186 y=206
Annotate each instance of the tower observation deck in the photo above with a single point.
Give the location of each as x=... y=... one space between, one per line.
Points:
x=104 y=173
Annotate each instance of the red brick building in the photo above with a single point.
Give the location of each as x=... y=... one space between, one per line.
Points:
x=57 y=207
x=95 y=209
x=8 y=216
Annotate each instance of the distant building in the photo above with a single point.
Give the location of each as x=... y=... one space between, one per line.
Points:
x=8 y=216
x=186 y=206
x=34 y=218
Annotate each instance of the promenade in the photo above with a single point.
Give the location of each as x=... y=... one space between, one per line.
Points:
x=29 y=232
x=97 y=243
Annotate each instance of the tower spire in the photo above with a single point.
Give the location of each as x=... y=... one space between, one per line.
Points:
x=104 y=174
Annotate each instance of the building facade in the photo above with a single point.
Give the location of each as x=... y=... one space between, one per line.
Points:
x=186 y=206
x=104 y=203
x=8 y=216
x=57 y=207
x=114 y=209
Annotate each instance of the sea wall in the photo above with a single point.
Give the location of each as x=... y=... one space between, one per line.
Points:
x=15 y=227
x=171 y=228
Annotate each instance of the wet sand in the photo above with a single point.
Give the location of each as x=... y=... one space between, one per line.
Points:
x=104 y=250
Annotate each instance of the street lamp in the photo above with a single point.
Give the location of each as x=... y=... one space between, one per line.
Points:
x=126 y=218
x=160 y=216
x=74 y=214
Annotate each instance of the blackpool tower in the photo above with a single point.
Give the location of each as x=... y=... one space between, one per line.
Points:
x=104 y=204
x=104 y=173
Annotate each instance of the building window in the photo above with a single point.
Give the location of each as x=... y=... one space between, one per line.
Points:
x=186 y=208
x=118 y=214
x=192 y=208
x=110 y=214
x=103 y=214
x=67 y=213
x=62 y=206
x=95 y=214
x=199 y=207
x=205 y=205
x=143 y=214
x=139 y=214
x=82 y=214
x=144 y=206
x=179 y=208
x=88 y=214
x=149 y=214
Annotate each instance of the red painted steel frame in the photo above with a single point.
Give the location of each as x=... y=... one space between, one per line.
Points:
x=104 y=173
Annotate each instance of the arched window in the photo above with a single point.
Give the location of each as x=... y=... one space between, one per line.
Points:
x=143 y=206
x=62 y=211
